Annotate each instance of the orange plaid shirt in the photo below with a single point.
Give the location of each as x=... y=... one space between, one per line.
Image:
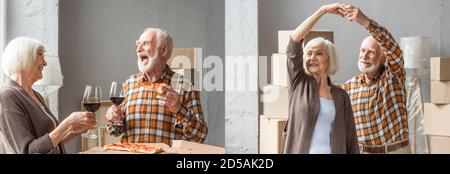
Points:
x=149 y=121
x=379 y=106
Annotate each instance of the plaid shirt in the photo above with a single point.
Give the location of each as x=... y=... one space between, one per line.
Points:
x=379 y=106
x=148 y=121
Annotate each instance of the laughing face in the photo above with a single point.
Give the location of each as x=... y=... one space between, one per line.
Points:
x=36 y=70
x=147 y=55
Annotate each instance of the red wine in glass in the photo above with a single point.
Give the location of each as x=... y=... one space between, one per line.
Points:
x=92 y=106
x=92 y=102
x=117 y=100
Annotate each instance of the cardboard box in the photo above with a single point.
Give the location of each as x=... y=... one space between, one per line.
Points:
x=328 y=35
x=437 y=119
x=283 y=40
x=185 y=58
x=440 y=92
x=88 y=143
x=270 y=134
x=284 y=36
x=188 y=147
x=275 y=101
x=440 y=68
x=105 y=138
x=192 y=75
x=440 y=145
x=279 y=70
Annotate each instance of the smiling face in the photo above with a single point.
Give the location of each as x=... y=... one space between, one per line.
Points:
x=36 y=70
x=317 y=60
x=147 y=53
x=371 y=57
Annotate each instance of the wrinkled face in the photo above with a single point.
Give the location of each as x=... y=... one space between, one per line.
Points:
x=147 y=55
x=370 y=56
x=36 y=70
x=317 y=60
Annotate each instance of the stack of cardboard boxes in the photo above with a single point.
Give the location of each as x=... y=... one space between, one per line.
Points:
x=275 y=96
x=184 y=61
x=437 y=113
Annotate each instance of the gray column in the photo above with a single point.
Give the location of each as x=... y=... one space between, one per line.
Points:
x=241 y=76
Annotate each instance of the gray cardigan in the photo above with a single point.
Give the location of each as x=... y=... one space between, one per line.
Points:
x=24 y=126
x=304 y=107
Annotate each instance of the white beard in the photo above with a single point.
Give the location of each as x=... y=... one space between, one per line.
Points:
x=151 y=63
x=365 y=69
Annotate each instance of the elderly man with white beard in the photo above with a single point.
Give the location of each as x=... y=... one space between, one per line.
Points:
x=159 y=104
x=378 y=94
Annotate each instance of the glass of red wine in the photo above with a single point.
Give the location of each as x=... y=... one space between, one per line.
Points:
x=91 y=102
x=116 y=95
x=117 y=98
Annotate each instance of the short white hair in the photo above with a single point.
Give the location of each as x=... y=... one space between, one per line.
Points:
x=20 y=54
x=333 y=59
x=162 y=36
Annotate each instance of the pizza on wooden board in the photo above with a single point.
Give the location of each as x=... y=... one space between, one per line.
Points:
x=133 y=147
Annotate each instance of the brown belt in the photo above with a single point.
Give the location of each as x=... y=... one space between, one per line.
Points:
x=383 y=149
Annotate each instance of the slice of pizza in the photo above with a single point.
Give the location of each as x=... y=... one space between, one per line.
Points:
x=133 y=147
x=157 y=87
x=145 y=148
x=117 y=146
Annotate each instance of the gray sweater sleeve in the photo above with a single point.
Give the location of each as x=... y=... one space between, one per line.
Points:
x=294 y=53
x=16 y=127
x=351 y=136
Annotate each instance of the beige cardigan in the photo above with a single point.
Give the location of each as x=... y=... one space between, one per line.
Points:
x=304 y=107
x=24 y=126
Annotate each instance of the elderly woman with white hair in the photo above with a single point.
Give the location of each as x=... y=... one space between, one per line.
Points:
x=26 y=124
x=320 y=114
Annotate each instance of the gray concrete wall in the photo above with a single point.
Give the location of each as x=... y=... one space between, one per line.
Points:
x=445 y=29
x=241 y=69
x=97 y=46
x=402 y=18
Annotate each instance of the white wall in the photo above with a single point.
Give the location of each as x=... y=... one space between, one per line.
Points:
x=2 y=34
x=37 y=19
x=97 y=46
x=2 y=43
x=241 y=100
x=2 y=25
x=402 y=18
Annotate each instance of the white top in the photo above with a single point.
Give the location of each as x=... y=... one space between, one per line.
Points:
x=320 y=142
